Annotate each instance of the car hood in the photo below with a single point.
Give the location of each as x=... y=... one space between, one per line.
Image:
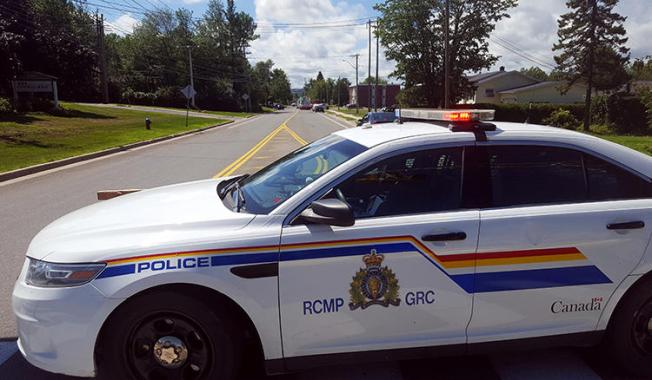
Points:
x=147 y=221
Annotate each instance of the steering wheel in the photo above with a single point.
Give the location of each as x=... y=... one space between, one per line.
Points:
x=340 y=195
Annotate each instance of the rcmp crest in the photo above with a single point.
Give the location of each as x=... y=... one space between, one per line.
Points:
x=374 y=285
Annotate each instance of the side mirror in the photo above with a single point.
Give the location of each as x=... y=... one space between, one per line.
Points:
x=333 y=212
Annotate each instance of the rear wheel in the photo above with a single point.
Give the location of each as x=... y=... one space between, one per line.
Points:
x=630 y=334
x=167 y=335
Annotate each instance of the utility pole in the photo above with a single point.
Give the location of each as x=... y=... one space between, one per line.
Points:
x=376 y=87
x=339 y=91
x=192 y=83
x=104 y=86
x=447 y=68
x=369 y=68
x=357 y=94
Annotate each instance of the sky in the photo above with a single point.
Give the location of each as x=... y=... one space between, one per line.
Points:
x=524 y=39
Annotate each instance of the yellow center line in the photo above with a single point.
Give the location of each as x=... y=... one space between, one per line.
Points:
x=294 y=134
x=318 y=167
x=235 y=165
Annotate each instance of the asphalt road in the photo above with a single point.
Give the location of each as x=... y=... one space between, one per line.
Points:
x=30 y=203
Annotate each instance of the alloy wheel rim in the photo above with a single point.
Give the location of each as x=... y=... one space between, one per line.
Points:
x=642 y=328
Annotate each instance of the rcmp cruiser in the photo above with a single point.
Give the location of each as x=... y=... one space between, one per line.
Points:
x=441 y=230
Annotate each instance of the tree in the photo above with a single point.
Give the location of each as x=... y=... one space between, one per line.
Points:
x=412 y=32
x=280 y=91
x=343 y=89
x=535 y=72
x=591 y=47
x=262 y=76
x=372 y=80
x=641 y=69
x=320 y=76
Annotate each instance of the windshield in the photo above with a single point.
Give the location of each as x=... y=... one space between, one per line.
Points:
x=273 y=185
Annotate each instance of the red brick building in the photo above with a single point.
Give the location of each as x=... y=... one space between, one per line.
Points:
x=385 y=95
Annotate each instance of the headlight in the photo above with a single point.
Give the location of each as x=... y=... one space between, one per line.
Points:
x=44 y=274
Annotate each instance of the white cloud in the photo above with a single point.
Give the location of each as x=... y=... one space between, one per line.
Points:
x=532 y=29
x=302 y=52
x=125 y=24
x=192 y=2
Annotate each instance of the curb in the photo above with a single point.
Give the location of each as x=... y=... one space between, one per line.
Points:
x=89 y=156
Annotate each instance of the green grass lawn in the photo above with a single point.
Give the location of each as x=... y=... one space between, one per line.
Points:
x=351 y=111
x=219 y=113
x=640 y=143
x=36 y=137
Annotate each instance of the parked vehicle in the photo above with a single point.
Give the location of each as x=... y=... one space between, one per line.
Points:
x=444 y=234
x=319 y=107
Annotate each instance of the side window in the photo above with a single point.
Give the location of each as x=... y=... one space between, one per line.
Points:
x=531 y=175
x=608 y=181
x=410 y=183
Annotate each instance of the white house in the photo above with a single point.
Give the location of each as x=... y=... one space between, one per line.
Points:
x=515 y=87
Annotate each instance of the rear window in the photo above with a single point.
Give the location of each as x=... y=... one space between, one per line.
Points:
x=523 y=175
x=536 y=175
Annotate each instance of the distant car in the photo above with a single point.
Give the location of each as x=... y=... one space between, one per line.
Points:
x=305 y=106
x=278 y=106
x=319 y=107
x=351 y=105
x=294 y=104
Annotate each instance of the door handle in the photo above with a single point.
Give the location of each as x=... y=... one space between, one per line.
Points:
x=445 y=237
x=626 y=225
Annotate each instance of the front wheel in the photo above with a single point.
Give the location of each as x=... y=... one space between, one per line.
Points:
x=167 y=335
x=629 y=337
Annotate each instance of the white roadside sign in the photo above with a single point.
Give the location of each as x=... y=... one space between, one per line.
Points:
x=188 y=91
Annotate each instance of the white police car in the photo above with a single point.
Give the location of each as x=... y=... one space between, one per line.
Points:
x=443 y=234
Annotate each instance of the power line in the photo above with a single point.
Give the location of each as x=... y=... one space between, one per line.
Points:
x=522 y=55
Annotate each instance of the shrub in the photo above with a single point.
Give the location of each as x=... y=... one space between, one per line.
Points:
x=128 y=96
x=626 y=113
x=562 y=118
x=5 y=106
x=601 y=129
x=646 y=98
x=531 y=113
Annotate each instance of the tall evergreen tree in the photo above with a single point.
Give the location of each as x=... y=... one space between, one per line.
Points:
x=591 y=46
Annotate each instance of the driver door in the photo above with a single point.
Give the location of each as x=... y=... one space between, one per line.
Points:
x=399 y=278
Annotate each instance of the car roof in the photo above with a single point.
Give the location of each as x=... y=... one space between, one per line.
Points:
x=376 y=134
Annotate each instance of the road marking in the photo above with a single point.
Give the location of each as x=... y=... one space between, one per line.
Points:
x=7 y=350
x=294 y=134
x=235 y=165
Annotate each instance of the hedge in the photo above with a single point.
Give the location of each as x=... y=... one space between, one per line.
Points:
x=532 y=113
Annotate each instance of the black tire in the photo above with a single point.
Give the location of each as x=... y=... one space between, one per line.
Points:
x=623 y=340
x=127 y=346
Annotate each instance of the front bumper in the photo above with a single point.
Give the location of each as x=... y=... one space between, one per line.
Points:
x=58 y=327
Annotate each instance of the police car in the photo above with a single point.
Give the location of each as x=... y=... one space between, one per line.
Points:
x=442 y=233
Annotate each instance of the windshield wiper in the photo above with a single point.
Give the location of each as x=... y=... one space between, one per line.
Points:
x=224 y=186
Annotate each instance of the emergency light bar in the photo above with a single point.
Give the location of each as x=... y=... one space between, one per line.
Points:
x=445 y=115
